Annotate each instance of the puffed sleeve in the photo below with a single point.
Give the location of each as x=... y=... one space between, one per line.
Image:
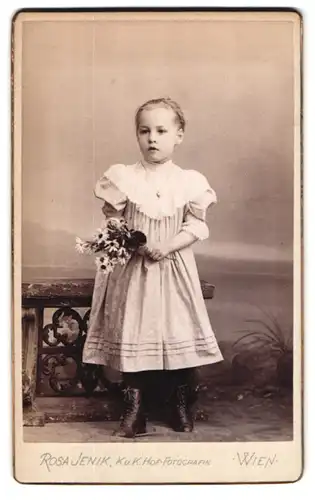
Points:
x=202 y=196
x=108 y=189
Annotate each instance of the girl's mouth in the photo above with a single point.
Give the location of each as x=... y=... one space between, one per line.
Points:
x=152 y=148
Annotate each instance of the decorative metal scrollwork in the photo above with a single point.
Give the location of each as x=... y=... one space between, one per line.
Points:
x=61 y=371
x=66 y=327
x=86 y=319
x=60 y=357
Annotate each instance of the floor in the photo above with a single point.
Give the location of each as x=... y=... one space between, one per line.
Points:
x=241 y=417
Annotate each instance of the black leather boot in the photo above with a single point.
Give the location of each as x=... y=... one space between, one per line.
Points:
x=181 y=418
x=183 y=396
x=133 y=420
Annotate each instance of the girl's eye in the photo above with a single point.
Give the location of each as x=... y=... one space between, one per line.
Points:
x=143 y=131
x=162 y=131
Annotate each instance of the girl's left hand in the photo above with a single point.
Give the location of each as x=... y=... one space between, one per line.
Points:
x=159 y=252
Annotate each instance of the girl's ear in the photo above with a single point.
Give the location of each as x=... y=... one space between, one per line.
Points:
x=180 y=136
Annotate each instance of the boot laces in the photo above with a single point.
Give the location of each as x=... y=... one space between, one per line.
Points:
x=132 y=401
x=182 y=403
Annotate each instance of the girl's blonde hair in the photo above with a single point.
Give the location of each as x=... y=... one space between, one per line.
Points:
x=165 y=102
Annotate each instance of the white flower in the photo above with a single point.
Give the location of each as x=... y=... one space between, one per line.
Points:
x=115 y=223
x=82 y=246
x=100 y=235
x=123 y=253
x=102 y=260
x=112 y=252
x=106 y=269
x=108 y=244
x=104 y=264
x=112 y=248
x=79 y=245
x=112 y=244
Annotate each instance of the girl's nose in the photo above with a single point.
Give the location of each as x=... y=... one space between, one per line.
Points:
x=152 y=138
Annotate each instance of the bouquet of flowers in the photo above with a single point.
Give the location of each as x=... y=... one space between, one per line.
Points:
x=114 y=242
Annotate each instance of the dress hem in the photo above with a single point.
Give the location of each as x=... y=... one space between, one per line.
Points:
x=128 y=365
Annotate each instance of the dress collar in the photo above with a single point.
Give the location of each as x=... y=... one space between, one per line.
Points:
x=177 y=187
x=156 y=167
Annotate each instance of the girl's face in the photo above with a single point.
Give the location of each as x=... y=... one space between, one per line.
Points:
x=158 y=134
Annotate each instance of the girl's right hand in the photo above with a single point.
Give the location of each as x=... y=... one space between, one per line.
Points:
x=143 y=251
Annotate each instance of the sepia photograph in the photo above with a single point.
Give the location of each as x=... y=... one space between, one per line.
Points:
x=157 y=245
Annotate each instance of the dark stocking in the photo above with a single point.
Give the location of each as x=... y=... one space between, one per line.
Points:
x=183 y=383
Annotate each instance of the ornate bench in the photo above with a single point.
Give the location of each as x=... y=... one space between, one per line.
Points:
x=52 y=348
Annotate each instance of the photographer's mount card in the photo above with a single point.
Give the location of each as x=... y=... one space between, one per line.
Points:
x=157 y=246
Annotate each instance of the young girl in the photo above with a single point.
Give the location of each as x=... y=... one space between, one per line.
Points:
x=149 y=315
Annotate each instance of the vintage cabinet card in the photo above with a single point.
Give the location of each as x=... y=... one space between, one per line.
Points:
x=157 y=246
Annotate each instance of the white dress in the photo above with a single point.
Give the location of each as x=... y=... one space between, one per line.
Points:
x=149 y=315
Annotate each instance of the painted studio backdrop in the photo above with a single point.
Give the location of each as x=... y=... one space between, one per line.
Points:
x=82 y=82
